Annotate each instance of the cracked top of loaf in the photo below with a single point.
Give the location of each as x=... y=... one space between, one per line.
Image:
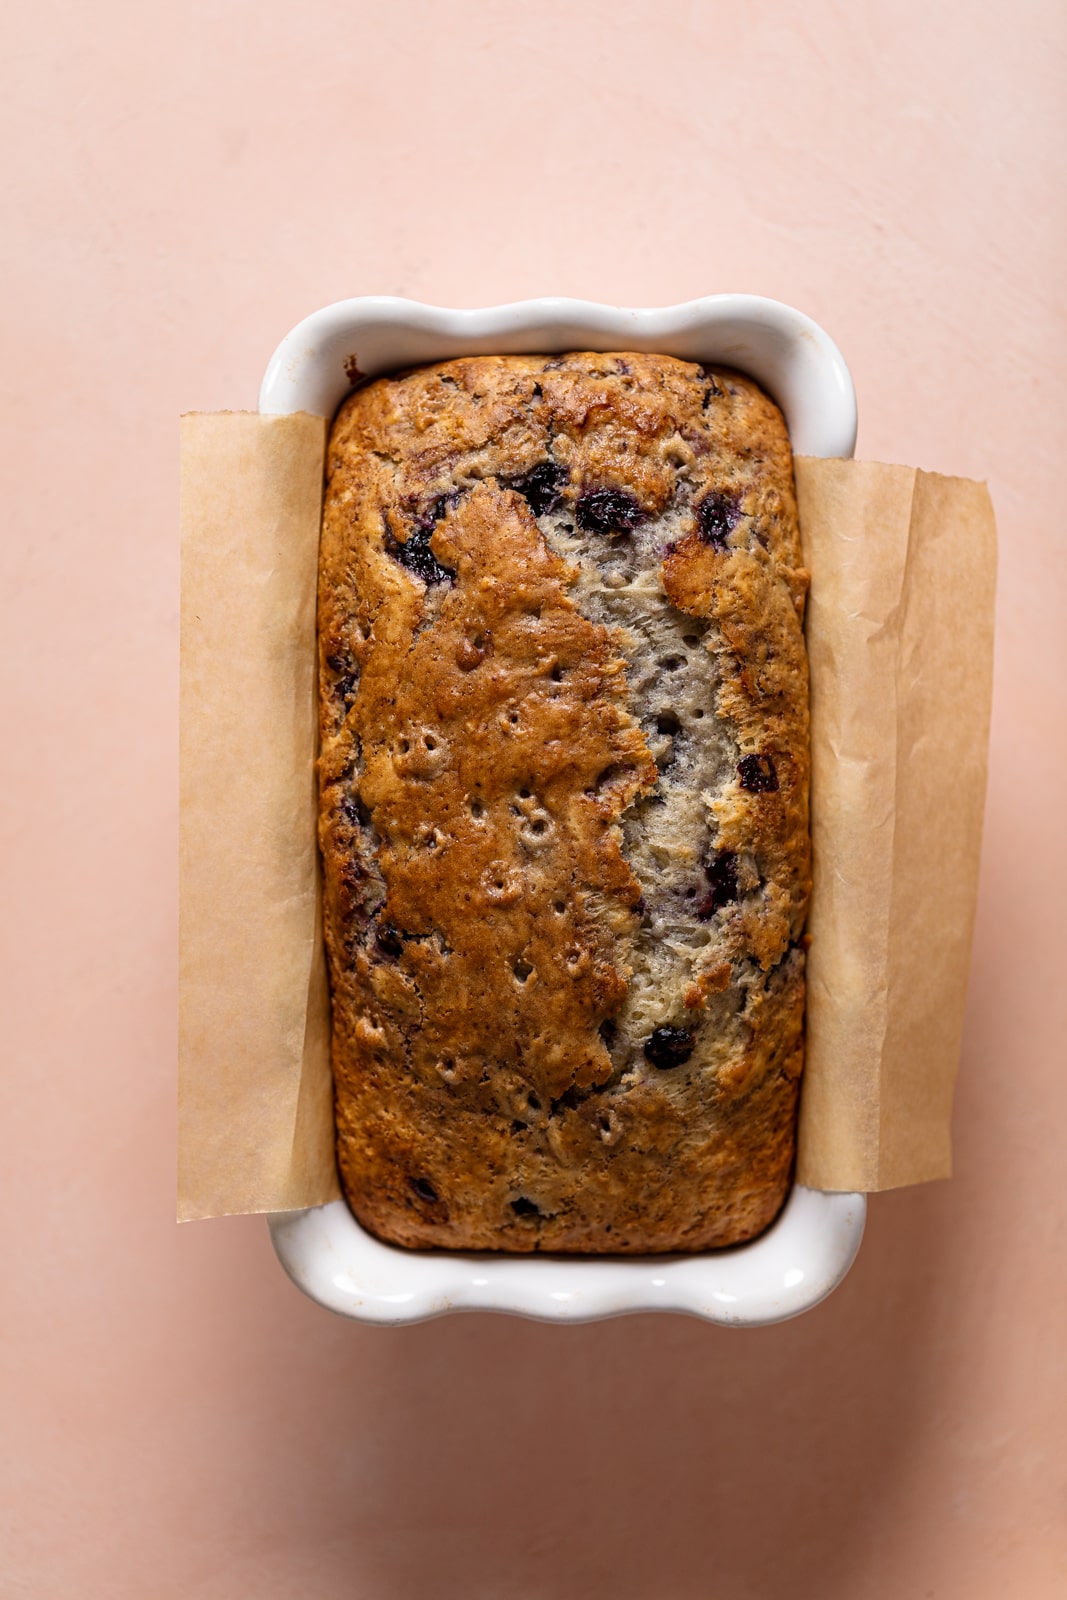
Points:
x=564 y=803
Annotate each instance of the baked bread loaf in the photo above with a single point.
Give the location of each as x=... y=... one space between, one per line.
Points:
x=564 y=803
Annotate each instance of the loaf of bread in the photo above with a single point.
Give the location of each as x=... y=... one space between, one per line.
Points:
x=564 y=803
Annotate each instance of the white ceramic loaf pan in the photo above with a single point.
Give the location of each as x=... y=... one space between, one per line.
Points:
x=811 y=1246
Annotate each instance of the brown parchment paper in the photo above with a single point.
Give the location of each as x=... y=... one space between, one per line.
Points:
x=255 y=1102
x=900 y=643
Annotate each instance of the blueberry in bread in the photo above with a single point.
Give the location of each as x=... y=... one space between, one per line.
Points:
x=564 y=803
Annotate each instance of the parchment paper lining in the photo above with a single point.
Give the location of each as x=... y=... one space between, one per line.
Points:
x=900 y=629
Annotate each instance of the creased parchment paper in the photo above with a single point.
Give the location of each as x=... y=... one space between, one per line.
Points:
x=900 y=641
x=900 y=646
x=255 y=1102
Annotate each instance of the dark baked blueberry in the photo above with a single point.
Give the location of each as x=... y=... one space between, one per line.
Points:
x=757 y=774
x=525 y=1208
x=722 y=876
x=389 y=941
x=607 y=511
x=669 y=1047
x=417 y=556
x=713 y=390
x=425 y=1190
x=415 y=553
x=717 y=514
x=542 y=488
x=347 y=680
x=355 y=812
x=353 y=873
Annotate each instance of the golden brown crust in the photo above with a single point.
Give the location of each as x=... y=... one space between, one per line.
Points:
x=483 y=771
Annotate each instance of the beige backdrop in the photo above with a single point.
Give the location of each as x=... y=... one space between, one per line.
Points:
x=186 y=182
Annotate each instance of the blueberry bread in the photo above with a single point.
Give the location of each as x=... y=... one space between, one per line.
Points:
x=564 y=803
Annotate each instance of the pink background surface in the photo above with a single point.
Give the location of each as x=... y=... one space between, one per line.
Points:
x=184 y=183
